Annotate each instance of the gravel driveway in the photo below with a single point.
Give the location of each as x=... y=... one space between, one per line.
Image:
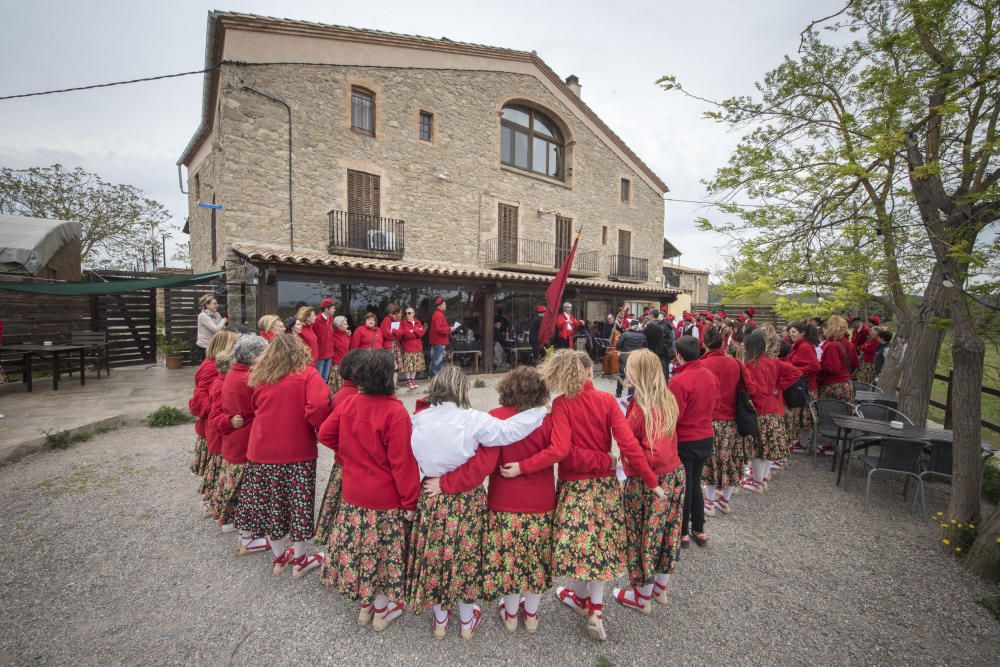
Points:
x=107 y=561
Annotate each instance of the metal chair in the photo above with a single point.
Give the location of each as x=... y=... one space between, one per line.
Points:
x=96 y=343
x=865 y=386
x=823 y=411
x=882 y=412
x=897 y=455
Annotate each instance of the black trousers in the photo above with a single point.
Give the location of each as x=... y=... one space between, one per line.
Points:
x=694 y=454
x=623 y=362
x=561 y=343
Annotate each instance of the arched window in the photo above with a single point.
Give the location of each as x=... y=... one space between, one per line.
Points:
x=530 y=140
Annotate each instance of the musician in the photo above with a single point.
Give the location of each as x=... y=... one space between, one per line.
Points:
x=566 y=326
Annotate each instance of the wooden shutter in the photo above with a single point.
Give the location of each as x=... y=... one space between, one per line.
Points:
x=363 y=202
x=624 y=243
x=564 y=238
x=507 y=233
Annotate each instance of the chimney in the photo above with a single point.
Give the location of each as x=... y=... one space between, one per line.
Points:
x=574 y=84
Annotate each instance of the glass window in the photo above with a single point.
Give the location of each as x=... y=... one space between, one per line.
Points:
x=530 y=140
x=506 y=145
x=626 y=190
x=539 y=152
x=363 y=111
x=426 y=126
x=517 y=116
x=521 y=150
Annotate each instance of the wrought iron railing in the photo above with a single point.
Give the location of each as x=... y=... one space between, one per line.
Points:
x=539 y=255
x=365 y=235
x=624 y=267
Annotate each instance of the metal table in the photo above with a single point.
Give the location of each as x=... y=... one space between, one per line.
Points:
x=29 y=350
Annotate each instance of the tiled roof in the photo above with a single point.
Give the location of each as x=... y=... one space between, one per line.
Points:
x=684 y=269
x=430 y=269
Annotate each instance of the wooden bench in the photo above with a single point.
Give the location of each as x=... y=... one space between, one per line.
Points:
x=96 y=343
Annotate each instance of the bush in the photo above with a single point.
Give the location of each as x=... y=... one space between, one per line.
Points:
x=991 y=484
x=174 y=348
x=479 y=384
x=166 y=415
x=65 y=439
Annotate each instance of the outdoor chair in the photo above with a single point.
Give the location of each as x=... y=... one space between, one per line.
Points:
x=96 y=343
x=882 y=412
x=939 y=463
x=865 y=386
x=822 y=411
x=897 y=455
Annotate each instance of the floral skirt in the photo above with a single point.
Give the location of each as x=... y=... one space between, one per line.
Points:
x=772 y=443
x=278 y=499
x=867 y=372
x=226 y=491
x=588 y=530
x=799 y=419
x=327 y=518
x=445 y=559
x=842 y=390
x=517 y=553
x=397 y=353
x=200 y=457
x=725 y=466
x=210 y=476
x=653 y=526
x=335 y=381
x=366 y=554
x=412 y=362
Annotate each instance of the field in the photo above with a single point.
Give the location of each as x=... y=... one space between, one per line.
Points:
x=991 y=378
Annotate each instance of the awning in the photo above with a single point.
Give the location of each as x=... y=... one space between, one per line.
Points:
x=114 y=287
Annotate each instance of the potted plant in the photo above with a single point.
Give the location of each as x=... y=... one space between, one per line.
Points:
x=173 y=352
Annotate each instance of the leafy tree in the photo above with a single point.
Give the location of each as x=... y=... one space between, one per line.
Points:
x=119 y=223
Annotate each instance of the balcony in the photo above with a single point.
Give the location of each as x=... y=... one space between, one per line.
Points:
x=362 y=235
x=628 y=269
x=518 y=254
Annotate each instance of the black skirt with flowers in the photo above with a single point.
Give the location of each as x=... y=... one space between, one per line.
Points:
x=653 y=526
x=278 y=499
x=327 y=518
x=588 y=541
x=517 y=553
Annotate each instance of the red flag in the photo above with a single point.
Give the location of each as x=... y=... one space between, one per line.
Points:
x=554 y=295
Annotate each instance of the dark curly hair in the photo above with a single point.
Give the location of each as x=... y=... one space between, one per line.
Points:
x=351 y=363
x=375 y=374
x=523 y=388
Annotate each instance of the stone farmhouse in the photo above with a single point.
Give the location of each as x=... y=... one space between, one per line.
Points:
x=375 y=167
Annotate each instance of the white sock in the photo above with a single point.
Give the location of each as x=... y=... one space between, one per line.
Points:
x=300 y=548
x=511 y=603
x=645 y=590
x=759 y=466
x=439 y=613
x=531 y=602
x=277 y=546
x=596 y=592
x=465 y=612
x=245 y=537
x=710 y=493
x=381 y=601
x=662 y=579
x=728 y=493
x=581 y=588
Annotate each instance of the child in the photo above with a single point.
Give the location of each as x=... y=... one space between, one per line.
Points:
x=589 y=525
x=277 y=493
x=218 y=351
x=652 y=524
x=348 y=370
x=445 y=559
x=366 y=550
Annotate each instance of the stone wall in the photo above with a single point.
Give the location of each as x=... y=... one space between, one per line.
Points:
x=446 y=221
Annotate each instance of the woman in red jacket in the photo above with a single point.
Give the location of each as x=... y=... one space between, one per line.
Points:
x=270 y=326
x=200 y=405
x=233 y=416
x=366 y=552
x=410 y=337
x=868 y=350
x=652 y=525
x=770 y=377
x=389 y=335
x=588 y=527
x=834 y=377
x=307 y=316
x=277 y=494
x=368 y=336
x=350 y=366
x=341 y=340
x=803 y=356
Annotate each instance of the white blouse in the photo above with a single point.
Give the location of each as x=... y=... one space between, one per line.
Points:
x=446 y=436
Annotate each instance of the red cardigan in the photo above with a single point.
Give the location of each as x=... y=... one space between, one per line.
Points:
x=308 y=337
x=370 y=435
x=835 y=366
x=212 y=433
x=860 y=336
x=727 y=371
x=236 y=400
x=388 y=335
x=771 y=377
x=663 y=457
x=341 y=342
x=697 y=392
x=803 y=356
x=440 y=331
x=199 y=405
x=870 y=349
x=324 y=336
x=365 y=338
x=528 y=493
x=410 y=335
x=286 y=416
x=581 y=437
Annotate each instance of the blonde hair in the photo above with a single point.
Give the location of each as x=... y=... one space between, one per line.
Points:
x=206 y=299
x=303 y=313
x=267 y=323
x=835 y=327
x=450 y=385
x=285 y=355
x=224 y=359
x=222 y=341
x=566 y=371
x=645 y=373
x=772 y=341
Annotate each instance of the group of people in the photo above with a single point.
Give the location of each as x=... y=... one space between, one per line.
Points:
x=406 y=523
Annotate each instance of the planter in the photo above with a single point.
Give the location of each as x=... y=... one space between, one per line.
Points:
x=174 y=363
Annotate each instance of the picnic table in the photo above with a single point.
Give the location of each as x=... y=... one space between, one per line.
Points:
x=53 y=352
x=876 y=397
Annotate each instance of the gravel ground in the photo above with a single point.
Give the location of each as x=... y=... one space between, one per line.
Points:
x=108 y=562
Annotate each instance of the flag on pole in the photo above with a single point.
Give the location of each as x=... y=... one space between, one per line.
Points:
x=554 y=295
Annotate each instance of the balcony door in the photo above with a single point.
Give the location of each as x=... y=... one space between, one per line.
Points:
x=564 y=239
x=507 y=233
x=624 y=244
x=363 y=200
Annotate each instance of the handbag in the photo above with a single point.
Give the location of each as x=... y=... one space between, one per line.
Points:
x=797 y=396
x=746 y=413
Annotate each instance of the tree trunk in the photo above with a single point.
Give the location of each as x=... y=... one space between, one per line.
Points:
x=920 y=359
x=892 y=367
x=968 y=355
x=984 y=556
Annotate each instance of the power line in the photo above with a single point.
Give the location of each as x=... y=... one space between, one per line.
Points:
x=108 y=85
x=713 y=203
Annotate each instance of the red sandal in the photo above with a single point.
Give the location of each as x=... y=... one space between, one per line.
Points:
x=595 y=622
x=631 y=598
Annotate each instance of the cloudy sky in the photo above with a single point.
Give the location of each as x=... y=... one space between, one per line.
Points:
x=134 y=134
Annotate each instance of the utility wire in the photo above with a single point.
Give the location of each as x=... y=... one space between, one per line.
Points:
x=108 y=85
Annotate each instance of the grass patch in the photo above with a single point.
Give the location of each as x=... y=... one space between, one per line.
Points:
x=993 y=604
x=479 y=384
x=166 y=415
x=65 y=439
x=991 y=378
x=604 y=662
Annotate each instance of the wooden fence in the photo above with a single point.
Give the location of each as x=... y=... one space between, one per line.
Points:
x=947 y=405
x=764 y=315
x=180 y=310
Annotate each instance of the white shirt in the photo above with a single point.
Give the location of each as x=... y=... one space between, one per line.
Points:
x=446 y=436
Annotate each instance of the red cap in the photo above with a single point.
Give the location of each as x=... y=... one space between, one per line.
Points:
x=875 y=319
x=438 y=300
x=540 y=309
x=670 y=316
x=741 y=317
x=751 y=311
x=687 y=316
x=722 y=314
x=664 y=307
x=326 y=303
x=646 y=310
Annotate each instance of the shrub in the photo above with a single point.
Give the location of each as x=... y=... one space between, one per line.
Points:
x=65 y=439
x=166 y=415
x=991 y=484
x=479 y=384
x=174 y=347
